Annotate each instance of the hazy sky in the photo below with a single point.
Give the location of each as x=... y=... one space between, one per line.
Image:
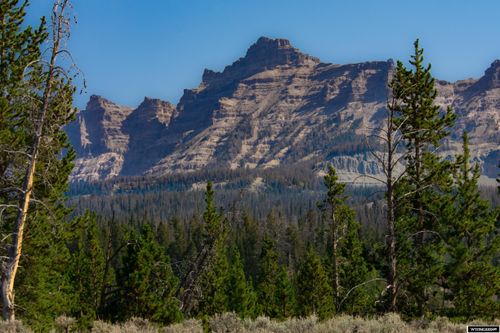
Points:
x=129 y=49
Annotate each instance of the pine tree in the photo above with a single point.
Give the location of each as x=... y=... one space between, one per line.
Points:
x=427 y=178
x=248 y=243
x=178 y=250
x=35 y=157
x=86 y=272
x=274 y=289
x=214 y=282
x=471 y=235
x=285 y=295
x=348 y=265
x=147 y=282
x=212 y=239
x=359 y=283
x=44 y=290
x=35 y=162
x=268 y=277
x=332 y=206
x=314 y=293
x=240 y=295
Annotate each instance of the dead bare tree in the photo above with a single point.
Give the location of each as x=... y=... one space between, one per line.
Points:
x=60 y=31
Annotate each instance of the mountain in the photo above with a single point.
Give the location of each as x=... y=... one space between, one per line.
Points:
x=275 y=106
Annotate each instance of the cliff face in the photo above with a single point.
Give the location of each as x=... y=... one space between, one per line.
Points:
x=274 y=106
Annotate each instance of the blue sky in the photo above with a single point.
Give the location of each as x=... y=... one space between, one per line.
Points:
x=129 y=49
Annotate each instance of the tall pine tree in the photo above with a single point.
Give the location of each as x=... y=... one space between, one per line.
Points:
x=427 y=179
x=472 y=279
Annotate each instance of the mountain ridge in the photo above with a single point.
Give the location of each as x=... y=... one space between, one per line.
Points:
x=274 y=106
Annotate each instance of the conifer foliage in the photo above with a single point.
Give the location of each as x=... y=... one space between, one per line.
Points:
x=472 y=278
x=146 y=281
x=349 y=268
x=314 y=292
x=427 y=179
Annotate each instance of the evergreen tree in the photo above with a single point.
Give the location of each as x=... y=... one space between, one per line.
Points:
x=213 y=236
x=472 y=278
x=332 y=206
x=248 y=241
x=178 y=249
x=359 y=283
x=44 y=289
x=275 y=293
x=348 y=265
x=314 y=293
x=214 y=283
x=285 y=295
x=35 y=160
x=86 y=272
x=147 y=281
x=240 y=295
x=427 y=179
x=268 y=278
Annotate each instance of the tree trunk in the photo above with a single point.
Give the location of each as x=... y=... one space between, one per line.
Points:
x=392 y=247
x=390 y=214
x=335 y=240
x=15 y=250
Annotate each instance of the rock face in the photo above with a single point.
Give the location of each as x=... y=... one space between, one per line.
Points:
x=274 y=106
x=145 y=127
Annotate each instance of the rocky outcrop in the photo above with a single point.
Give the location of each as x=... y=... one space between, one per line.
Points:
x=100 y=129
x=274 y=106
x=145 y=126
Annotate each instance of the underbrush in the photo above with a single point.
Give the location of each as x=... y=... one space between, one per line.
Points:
x=230 y=322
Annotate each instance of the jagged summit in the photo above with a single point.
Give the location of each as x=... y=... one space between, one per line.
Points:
x=493 y=74
x=264 y=54
x=274 y=52
x=152 y=109
x=490 y=81
x=97 y=100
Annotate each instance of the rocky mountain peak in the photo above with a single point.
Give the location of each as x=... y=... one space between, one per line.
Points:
x=98 y=102
x=268 y=52
x=154 y=108
x=264 y=54
x=489 y=81
x=493 y=74
x=100 y=127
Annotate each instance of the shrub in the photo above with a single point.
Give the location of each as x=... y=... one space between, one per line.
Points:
x=13 y=327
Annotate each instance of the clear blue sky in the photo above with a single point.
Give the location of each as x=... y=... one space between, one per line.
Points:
x=129 y=49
